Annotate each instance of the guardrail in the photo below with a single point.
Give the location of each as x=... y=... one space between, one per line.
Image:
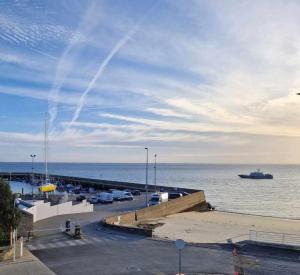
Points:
x=274 y=238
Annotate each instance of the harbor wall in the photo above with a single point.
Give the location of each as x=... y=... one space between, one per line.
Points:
x=96 y=183
x=153 y=212
x=42 y=210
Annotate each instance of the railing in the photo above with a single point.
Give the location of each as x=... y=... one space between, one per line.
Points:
x=274 y=237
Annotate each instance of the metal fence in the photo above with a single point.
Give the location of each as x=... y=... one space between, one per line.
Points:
x=274 y=238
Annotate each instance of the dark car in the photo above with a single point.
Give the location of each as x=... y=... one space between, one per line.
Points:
x=136 y=192
x=80 y=198
x=173 y=196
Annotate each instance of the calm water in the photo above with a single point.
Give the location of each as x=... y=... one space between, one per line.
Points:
x=278 y=197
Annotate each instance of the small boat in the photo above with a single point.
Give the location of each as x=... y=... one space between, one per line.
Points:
x=48 y=187
x=257 y=175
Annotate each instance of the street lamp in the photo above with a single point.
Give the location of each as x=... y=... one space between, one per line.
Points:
x=32 y=174
x=179 y=245
x=146 y=176
x=155 y=171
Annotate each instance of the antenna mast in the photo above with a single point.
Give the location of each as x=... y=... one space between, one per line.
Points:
x=46 y=148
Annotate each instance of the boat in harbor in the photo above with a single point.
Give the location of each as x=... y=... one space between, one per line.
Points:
x=256 y=175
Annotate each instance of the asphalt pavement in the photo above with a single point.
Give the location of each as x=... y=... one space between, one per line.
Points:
x=104 y=251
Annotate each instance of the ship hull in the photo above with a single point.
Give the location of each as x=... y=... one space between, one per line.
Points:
x=265 y=177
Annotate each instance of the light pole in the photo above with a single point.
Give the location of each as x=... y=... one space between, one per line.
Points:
x=155 y=171
x=146 y=176
x=14 y=232
x=32 y=174
x=179 y=245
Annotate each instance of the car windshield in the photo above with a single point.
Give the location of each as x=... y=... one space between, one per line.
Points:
x=154 y=199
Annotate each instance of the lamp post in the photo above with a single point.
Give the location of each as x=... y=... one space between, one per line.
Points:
x=179 y=245
x=155 y=171
x=146 y=176
x=32 y=174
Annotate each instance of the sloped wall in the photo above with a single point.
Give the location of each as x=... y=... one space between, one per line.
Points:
x=168 y=208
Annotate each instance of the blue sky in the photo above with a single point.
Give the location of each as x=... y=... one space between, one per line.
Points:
x=195 y=81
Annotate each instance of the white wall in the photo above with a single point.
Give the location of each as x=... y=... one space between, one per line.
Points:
x=42 y=210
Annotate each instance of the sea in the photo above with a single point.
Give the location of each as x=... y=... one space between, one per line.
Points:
x=223 y=188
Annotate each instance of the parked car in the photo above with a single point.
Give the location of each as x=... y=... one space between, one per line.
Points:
x=174 y=195
x=91 y=190
x=158 y=198
x=128 y=196
x=136 y=192
x=81 y=198
x=105 y=197
x=118 y=195
x=93 y=199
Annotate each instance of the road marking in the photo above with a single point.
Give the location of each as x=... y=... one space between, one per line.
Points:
x=60 y=244
x=86 y=241
x=112 y=238
x=79 y=242
x=52 y=245
x=122 y=237
x=97 y=240
x=70 y=243
x=40 y=246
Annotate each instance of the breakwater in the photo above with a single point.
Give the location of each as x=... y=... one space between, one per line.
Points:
x=88 y=182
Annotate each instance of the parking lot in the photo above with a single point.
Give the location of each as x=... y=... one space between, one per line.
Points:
x=100 y=211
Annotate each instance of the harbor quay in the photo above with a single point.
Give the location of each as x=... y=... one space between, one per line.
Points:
x=89 y=182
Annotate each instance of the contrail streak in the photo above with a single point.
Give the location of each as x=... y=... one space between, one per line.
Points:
x=103 y=65
x=101 y=69
x=62 y=69
x=59 y=78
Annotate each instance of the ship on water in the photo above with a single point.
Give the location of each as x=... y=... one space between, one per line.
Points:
x=256 y=175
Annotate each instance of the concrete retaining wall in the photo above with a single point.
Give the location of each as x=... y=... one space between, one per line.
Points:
x=42 y=210
x=153 y=212
x=130 y=229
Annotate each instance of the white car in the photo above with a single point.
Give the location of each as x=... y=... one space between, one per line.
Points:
x=158 y=198
x=118 y=195
x=93 y=199
x=128 y=196
x=105 y=197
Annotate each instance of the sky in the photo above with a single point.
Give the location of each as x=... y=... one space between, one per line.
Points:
x=194 y=81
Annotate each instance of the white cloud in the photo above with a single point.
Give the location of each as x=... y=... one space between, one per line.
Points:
x=231 y=69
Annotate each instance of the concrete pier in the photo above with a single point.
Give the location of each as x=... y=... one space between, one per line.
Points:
x=88 y=182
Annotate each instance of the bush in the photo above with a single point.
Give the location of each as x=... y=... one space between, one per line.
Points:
x=9 y=213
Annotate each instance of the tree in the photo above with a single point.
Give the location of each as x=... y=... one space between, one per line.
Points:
x=9 y=214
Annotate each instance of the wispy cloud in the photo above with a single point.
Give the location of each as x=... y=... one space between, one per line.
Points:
x=210 y=75
x=117 y=47
x=65 y=63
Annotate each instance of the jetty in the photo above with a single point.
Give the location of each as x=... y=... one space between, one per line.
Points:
x=91 y=182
